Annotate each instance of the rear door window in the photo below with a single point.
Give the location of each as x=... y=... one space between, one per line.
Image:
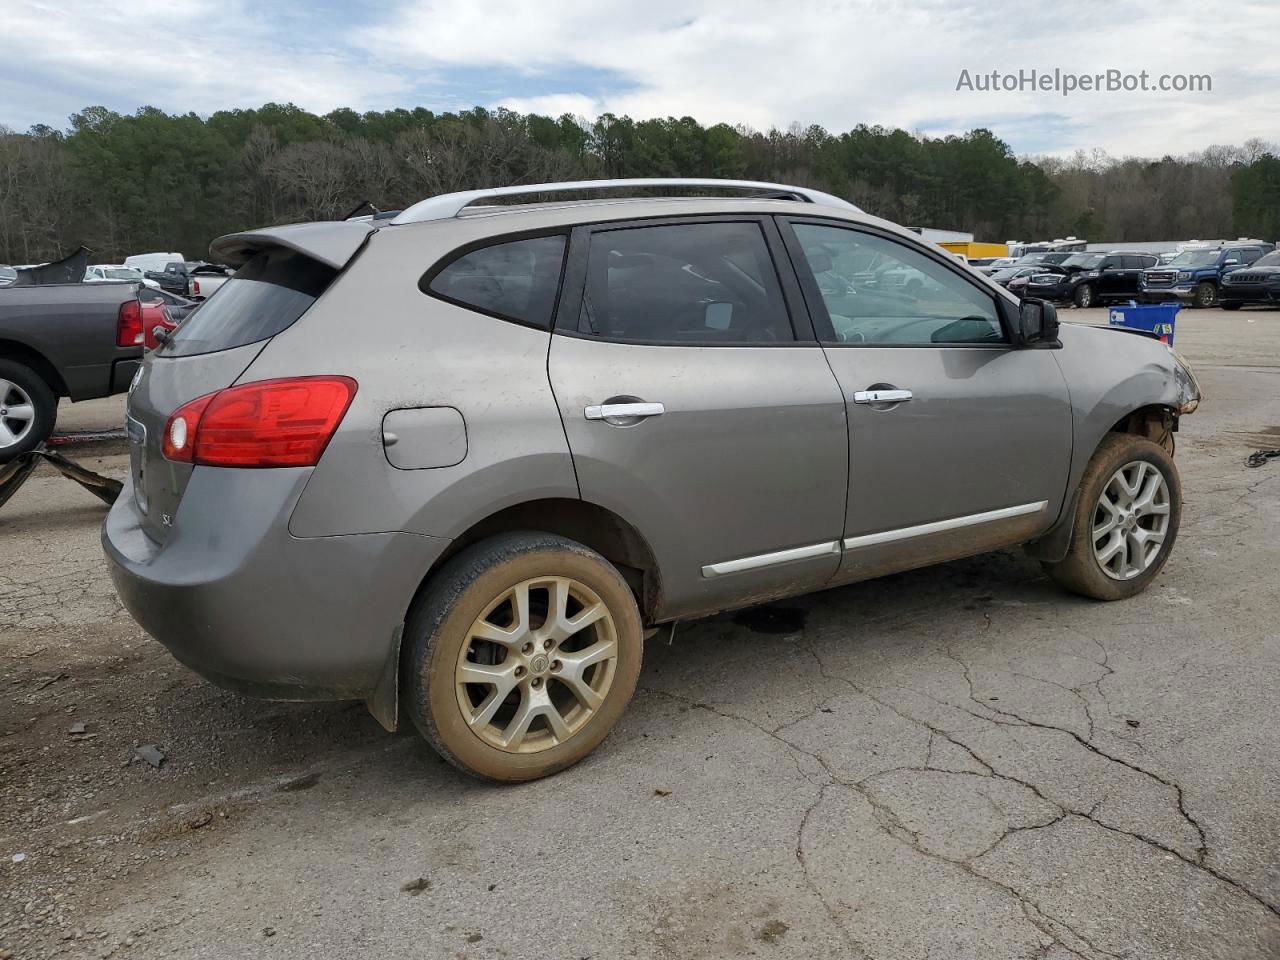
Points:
x=689 y=283
x=264 y=297
x=517 y=280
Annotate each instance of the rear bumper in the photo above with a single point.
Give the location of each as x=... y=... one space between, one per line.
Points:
x=242 y=602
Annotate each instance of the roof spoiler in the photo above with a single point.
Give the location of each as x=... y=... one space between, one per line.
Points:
x=331 y=242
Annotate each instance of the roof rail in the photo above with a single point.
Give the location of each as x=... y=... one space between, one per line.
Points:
x=449 y=205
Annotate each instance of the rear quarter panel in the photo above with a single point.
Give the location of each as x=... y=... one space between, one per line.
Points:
x=407 y=349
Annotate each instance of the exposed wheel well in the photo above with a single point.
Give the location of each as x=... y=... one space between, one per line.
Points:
x=587 y=523
x=1155 y=422
x=21 y=353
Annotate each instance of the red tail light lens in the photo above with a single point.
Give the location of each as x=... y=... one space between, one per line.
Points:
x=195 y=288
x=272 y=423
x=129 y=324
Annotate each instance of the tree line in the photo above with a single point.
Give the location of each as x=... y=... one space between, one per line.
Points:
x=124 y=184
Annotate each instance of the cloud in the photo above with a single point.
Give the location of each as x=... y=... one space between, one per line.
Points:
x=833 y=62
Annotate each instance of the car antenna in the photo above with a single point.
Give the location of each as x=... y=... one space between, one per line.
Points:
x=359 y=208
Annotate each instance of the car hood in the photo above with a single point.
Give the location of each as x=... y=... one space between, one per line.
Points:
x=1263 y=271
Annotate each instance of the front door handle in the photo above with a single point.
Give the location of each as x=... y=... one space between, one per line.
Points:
x=881 y=396
x=624 y=411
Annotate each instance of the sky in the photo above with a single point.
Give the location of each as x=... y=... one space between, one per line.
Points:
x=763 y=64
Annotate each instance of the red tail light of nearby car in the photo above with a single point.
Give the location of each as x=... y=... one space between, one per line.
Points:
x=272 y=423
x=129 y=324
x=195 y=288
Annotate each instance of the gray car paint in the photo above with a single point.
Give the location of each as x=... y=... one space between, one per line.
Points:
x=252 y=557
x=72 y=326
x=238 y=599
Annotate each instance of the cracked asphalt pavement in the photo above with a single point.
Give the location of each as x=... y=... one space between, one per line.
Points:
x=959 y=762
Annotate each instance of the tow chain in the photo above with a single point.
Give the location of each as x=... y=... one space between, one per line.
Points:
x=1259 y=457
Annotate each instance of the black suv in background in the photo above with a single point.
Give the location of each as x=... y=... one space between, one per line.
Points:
x=1259 y=282
x=1089 y=279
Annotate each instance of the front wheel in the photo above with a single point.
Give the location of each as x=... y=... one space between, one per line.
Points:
x=521 y=655
x=1084 y=296
x=1206 y=295
x=1126 y=520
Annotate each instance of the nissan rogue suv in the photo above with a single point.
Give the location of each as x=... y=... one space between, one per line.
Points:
x=459 y=461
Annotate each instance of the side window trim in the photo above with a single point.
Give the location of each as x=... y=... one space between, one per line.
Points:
x=457 y=253
x=817 y=307
x=574 y=281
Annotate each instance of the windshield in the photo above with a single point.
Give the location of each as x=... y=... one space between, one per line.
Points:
x=1085 y=261
x=1007 y=273
x=121 y=273
x=1195 y=258
x=8 y=273
x=1270 y=260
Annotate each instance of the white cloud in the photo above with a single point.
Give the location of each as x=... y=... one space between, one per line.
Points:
x=839 y=64
x=755 y=62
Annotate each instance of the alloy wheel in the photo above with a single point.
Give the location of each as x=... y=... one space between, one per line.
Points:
x=537 y=664
x=1131 y=520
x=17 y=414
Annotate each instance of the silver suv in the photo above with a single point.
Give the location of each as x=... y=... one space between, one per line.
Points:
x=459 y=461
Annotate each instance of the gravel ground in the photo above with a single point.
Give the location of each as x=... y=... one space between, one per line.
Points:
x=955 y=763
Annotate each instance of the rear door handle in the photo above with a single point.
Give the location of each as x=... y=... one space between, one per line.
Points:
x=623 y=411
x=881 y=396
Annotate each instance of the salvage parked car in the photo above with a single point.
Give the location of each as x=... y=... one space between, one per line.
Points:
x=178 y=307
x=77 y=340
x=1257 y=283
x=1195 y=274
x=566 y=424
x=1088 y=279
x=175 y=277
x=204 y=279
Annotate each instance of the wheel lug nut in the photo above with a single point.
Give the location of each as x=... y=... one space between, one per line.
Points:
x=527 y=648
x=519 y=671
x=556 y=664
x=546 y=644
x=536 y=681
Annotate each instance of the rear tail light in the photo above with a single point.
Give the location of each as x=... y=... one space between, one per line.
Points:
x=271 y=423
x=195 y=288
x=129 y=324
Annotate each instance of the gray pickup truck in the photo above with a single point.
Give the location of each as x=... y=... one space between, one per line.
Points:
x=77 y=340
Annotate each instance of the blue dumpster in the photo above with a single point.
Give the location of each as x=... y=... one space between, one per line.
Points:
x=1157 y=318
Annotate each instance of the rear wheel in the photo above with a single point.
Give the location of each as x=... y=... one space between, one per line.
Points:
x=1084 y=296
x=1206 y=295
x=1126 y=520
x=28 y=410
x=521 y=655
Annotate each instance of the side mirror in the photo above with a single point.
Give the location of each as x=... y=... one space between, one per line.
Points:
x=1037 y=322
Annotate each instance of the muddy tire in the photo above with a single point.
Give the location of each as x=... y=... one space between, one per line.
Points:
x=520 y=656
x=28 y=410
x=1084 y=296
x=1126 y=521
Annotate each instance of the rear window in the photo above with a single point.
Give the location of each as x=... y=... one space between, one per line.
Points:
x=264 y=297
